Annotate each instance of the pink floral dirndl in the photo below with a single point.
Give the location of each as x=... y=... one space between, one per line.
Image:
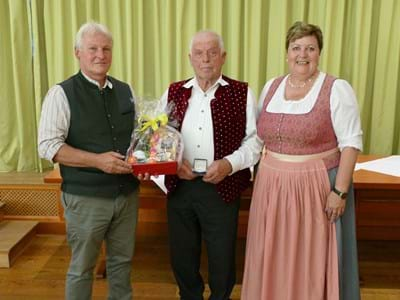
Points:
x=291 y=251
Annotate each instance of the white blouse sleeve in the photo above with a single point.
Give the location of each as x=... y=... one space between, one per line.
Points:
x=345 y=115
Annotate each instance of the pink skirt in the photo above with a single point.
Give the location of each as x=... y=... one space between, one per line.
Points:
x=291 y=251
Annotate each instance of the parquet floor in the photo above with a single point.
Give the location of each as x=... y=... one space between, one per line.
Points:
x=39 y=273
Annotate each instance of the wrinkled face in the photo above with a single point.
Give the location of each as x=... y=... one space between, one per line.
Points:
x=303 y=56
x=206 y=57
x=95 y=55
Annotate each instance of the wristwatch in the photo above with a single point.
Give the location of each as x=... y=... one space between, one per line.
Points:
x=342 y=195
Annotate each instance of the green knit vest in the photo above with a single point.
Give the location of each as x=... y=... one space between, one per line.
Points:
x=101 y=121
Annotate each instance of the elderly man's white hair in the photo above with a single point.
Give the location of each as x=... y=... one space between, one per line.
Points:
x=204 y=32
x=91 y=27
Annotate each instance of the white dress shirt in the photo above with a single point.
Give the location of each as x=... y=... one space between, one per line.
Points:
x=197 y=128
x=55 y=120
x=345 y=115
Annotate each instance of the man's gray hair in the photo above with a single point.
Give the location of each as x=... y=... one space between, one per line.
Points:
x=91 y=27
x=202 y=32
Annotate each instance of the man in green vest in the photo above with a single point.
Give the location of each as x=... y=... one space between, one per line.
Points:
x=86 y=126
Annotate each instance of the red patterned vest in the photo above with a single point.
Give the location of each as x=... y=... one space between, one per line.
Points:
x=228 y=110
x=300 y=134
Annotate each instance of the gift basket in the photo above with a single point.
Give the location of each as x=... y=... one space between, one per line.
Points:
x=156 y=146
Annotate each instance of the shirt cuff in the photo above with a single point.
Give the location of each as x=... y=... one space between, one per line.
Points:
x=234 y=161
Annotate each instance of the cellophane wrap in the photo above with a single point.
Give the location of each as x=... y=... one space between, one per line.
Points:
x=155 y=138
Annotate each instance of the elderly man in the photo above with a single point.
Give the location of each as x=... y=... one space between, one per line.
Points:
x=217 y=118
x=86 y=126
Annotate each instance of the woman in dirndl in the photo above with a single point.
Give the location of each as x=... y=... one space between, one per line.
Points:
x=301 y=241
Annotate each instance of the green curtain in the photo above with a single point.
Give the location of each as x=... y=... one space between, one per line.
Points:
x=151 y=38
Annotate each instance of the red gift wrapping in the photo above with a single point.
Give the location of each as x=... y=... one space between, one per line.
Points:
x=155 y=168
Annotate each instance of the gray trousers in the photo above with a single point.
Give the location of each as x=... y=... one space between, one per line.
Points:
x=90 y=220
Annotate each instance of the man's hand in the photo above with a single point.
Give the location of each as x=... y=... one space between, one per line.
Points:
x=109 y=162
x=217 y=171
x=185 y=171
x=113 y=163
x=145 y=176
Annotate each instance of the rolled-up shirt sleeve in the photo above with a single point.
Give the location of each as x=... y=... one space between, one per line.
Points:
x=54 y=123
x=345 y=116
x=249 y=152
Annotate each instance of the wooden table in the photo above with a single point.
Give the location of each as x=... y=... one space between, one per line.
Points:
x=377 y=203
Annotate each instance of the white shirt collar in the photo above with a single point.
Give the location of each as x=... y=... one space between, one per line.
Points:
x=194 y=83
x=106 y=84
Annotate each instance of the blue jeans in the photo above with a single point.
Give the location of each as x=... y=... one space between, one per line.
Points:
x=90 y=220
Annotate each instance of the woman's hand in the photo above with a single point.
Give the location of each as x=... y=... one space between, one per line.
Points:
x=335 y=206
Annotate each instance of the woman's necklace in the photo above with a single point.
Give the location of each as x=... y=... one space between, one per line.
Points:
x=299 y=86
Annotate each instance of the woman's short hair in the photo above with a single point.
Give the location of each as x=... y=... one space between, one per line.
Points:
x=91 y=27
x=301 y=29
